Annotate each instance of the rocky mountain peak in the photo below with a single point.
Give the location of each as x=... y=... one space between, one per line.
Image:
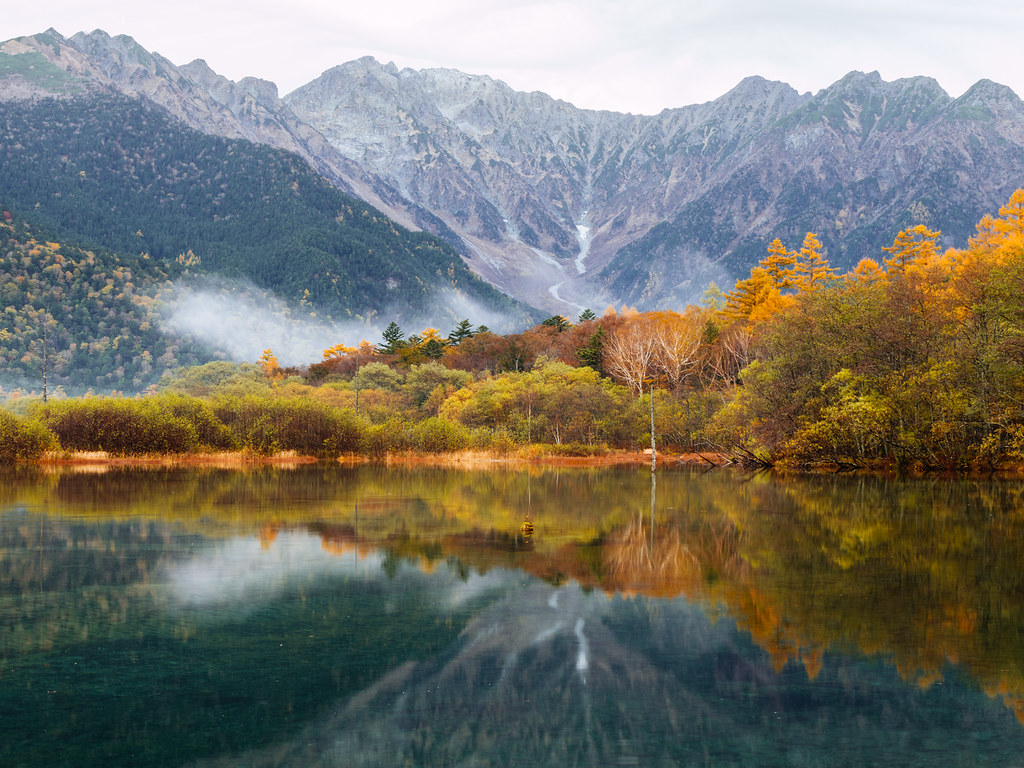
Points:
x=568 y=208
x=365 y=71
x=756 y=89
x=854 y=81
x=750 y=106
x=201 y=73
x=861 y=87
x=993 y=95
x=118 y=52
x=231 y=94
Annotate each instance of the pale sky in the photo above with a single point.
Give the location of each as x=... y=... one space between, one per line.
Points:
x=638 y=56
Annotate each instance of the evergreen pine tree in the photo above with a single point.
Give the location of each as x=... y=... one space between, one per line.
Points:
x=462 y=331
x=394 y=339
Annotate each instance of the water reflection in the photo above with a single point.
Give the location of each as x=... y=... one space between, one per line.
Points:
x=243 y=571
x=555 y=676
x=377 y=617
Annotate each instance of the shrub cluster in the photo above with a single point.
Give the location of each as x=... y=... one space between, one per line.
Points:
x=173 y=424
x=431 y=435
x=23 y=439
x=120 y=426
x=312 y=428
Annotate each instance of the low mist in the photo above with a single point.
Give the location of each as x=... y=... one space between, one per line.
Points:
x=241 y=321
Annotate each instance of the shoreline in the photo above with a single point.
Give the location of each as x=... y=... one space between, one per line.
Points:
x=473 y=459
x=101 y=461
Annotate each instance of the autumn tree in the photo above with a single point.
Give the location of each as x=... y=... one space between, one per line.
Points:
x=811 y=269
x=993 y=232
x=921 y=363
x=479 y=352
x=336 y=351
x=779 y=265
x=985 y=292
x=868 y=271
x=727 y=351
x=914 y=245
x=269 y=365
x=432 y=345
x=678 y=338
x=343 y=360
x=631 y=352
x=749 y=294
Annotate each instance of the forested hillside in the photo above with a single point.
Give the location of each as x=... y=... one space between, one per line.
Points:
x=122 y=174
x=94 y=313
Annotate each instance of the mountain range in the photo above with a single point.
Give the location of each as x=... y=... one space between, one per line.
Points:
x=565 y=208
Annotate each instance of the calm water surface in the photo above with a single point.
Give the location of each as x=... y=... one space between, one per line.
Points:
x=388 y=617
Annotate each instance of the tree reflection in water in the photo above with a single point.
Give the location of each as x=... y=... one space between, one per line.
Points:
x=838 y=581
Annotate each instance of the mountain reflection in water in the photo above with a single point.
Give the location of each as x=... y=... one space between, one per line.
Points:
x=557 y=677
x=328 y=616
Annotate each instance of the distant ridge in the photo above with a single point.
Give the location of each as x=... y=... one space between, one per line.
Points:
x=564 y=207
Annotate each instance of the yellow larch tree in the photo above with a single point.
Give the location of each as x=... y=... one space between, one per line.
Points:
x=811 y=270
x=748 y=294
x=867 y=271
x=268 y=363
x=916 y=245
x=338 y=350
x=779 y=265
x=1012 y=214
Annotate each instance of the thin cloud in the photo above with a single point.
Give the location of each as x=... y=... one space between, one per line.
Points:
x=641 y=56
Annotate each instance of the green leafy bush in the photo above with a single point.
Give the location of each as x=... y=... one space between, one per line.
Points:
x=210 y=431
x=217 y=378
x=23 y=439
x=268 y=425
x=496 y=441
x=575 y=449
x=122 y=426
x=436 y=435
x=391 y=436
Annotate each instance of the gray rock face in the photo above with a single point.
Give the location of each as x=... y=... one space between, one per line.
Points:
x=566 y=208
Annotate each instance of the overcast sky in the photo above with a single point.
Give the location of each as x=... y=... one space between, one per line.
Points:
x=627 y=55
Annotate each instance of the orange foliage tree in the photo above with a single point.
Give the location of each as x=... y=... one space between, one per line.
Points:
x=269 y=365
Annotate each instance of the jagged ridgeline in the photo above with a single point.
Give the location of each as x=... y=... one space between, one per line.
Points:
x=125 y=175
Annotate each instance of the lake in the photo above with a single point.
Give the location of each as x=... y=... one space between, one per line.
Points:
x=373 y=616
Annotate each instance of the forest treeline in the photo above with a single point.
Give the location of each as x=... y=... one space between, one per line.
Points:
x=913 y=359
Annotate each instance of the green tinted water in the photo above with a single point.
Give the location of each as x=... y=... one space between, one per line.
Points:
x=350 y=617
